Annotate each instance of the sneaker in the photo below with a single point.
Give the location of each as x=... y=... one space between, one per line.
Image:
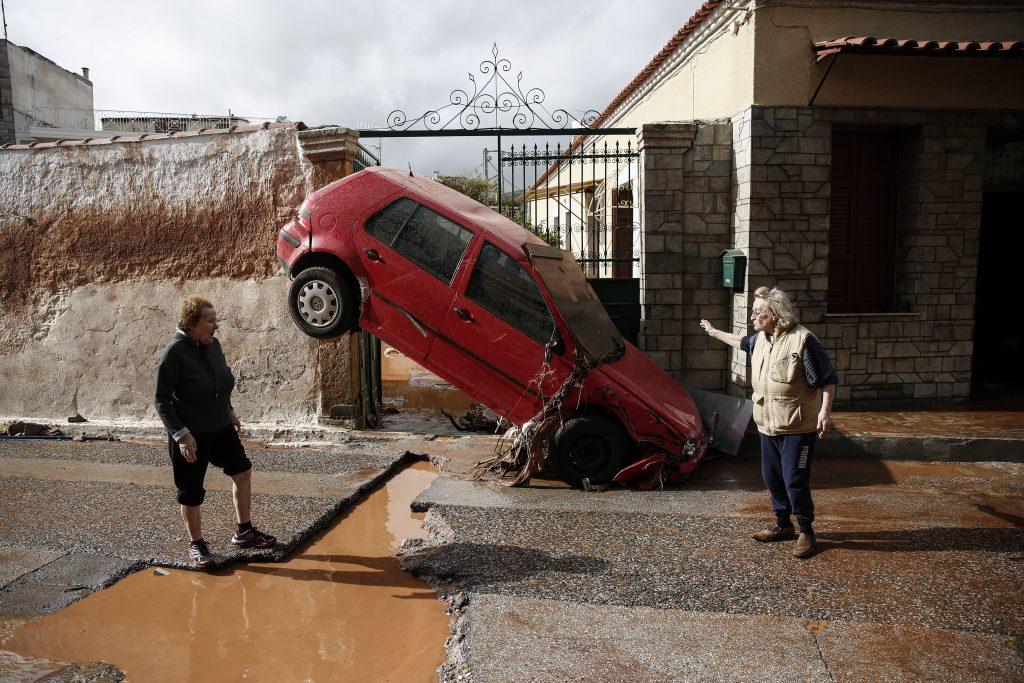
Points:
x=776 y=533
x=199 y=554
x=253 y=538
x=806 y=545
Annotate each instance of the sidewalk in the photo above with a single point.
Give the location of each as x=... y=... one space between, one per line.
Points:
x=965 y=432
x=941 y=431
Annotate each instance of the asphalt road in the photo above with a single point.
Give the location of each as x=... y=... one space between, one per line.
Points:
x=920 y=576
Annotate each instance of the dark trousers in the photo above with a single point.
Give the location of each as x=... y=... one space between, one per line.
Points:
x=786 y=468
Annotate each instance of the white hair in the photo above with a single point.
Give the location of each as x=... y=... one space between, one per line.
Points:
x=779 y=305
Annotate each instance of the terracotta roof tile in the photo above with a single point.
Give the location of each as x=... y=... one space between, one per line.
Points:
x=870 y=45
x=248 y=128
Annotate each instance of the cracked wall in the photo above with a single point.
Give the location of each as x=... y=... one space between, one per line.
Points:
x=98 y=244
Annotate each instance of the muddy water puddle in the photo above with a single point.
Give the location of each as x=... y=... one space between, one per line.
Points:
x=412 y=386
x=340 y=610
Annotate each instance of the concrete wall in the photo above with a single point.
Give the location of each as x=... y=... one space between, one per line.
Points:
x=711 y=76
x=7 y=130
x=785 y=72
x=103 y=240
x=46 y=94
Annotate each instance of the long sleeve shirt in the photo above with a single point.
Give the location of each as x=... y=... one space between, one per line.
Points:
x=193 y=387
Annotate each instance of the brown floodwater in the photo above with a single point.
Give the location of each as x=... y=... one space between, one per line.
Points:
x=418 y=388
x=340 y=610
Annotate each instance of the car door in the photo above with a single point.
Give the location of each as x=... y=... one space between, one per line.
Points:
x=492 y=342
x=411 y=254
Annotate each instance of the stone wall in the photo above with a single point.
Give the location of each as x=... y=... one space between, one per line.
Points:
x=687 y=171
x=783 y=158
x=103 y=239
x=922 y=347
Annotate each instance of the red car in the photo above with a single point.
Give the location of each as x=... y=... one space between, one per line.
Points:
x=491 y=308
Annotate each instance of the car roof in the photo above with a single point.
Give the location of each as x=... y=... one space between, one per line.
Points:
x=498 y=226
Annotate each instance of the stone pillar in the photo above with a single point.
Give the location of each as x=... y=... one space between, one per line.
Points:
x=783 y=161
x=332 y=151
x=687 y=169
x=337 y=373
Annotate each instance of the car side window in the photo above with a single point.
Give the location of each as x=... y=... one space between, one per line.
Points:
x=385 y=224
x=425 y=237
x=501 y=285
x=433 y=243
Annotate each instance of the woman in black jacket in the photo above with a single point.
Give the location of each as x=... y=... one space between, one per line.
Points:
x=193 y=400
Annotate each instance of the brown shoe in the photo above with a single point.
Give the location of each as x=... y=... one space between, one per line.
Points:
x=806 y=545
x=776 y=533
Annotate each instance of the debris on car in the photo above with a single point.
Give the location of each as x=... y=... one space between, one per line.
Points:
x=489 y=307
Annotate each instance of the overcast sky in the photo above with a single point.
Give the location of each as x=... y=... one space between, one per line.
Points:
x=345 y=63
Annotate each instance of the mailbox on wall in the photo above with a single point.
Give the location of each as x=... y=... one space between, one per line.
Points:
x=734 y=266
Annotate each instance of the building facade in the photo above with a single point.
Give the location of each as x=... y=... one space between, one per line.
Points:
x=864 y=156
x=40 y=100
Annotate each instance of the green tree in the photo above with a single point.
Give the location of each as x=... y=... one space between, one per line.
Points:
x=475 y=187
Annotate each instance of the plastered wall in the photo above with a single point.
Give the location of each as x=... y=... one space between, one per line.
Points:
x=98 y=244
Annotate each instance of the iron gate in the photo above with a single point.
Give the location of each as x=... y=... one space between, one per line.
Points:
x=582 y=196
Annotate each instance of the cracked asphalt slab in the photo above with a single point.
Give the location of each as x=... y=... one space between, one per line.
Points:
x=920 y=575
x=75 y=517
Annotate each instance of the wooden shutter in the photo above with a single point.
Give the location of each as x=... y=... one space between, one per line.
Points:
x=862 y=221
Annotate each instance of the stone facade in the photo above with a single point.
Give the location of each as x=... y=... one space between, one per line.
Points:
x=6 y=98
x=781 y=186
x=687 y=171
x=778 y=214
x=924 y=349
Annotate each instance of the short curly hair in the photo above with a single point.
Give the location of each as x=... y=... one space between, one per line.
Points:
x=191 y=311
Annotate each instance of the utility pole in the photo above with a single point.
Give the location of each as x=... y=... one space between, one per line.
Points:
x=3 y=11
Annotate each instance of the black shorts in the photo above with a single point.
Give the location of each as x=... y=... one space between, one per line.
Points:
x=222 y=449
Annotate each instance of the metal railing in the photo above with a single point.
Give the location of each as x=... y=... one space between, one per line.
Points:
x=365 y=158
x=129 y=121
x=578 y=198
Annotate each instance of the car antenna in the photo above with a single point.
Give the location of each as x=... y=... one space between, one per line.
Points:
x=410 y=168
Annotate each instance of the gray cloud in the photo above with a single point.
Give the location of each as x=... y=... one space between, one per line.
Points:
x=345 y=63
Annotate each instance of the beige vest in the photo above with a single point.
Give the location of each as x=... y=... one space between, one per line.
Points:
x=784 y=403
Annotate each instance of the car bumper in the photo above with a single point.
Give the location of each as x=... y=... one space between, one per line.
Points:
x=289 y=247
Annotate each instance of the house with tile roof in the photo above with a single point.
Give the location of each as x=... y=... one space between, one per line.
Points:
x=866 y=156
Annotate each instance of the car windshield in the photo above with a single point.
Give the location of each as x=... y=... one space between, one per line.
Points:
x=575 y=299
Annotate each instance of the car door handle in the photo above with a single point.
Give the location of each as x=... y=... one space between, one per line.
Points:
x=464 y=314
x=373 y=255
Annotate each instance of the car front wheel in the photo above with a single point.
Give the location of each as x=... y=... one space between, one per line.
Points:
x=321 y=303
x=589 y=447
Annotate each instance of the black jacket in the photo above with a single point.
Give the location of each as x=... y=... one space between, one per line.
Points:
x=193 y=386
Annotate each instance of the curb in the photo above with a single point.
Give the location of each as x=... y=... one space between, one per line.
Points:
x=924 y=448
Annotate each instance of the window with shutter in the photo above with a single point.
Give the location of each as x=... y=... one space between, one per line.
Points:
x=862 y=221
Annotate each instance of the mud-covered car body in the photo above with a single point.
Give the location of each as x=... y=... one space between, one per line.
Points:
x=484 y=304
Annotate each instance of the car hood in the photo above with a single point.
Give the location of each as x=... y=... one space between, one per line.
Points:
x=642 y=377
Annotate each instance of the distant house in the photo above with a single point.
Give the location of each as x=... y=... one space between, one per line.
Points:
x=867 y=156
x=40 y=100
x=168 y=123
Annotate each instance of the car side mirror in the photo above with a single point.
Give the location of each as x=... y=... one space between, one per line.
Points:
x=555 y=345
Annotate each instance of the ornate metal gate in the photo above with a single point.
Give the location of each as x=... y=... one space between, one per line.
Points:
x=580 y=194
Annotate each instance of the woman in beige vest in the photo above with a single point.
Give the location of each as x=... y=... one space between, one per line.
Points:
x=794 y=383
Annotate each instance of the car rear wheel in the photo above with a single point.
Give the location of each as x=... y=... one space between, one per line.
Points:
x=321 y=303
x=589 y=447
